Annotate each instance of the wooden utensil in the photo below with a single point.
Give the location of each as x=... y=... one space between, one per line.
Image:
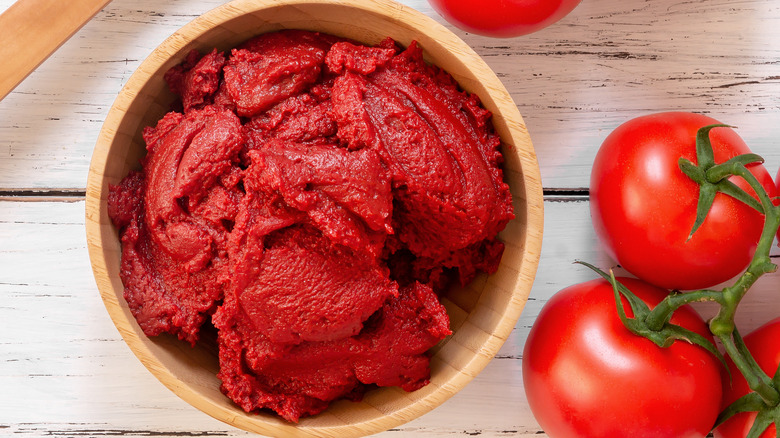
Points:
x=33 y=29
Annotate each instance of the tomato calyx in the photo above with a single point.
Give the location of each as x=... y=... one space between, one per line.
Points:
x=767 y=413
x=713 y=178
x=763 y=420
x=752 y=403
x=647 y=323
x=765 y=398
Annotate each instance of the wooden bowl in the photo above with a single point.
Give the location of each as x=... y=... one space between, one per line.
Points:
x=482 y=314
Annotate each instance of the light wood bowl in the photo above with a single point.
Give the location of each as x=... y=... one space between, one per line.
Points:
x=482 y=314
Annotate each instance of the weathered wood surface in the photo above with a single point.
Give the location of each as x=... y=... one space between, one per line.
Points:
x=64 y=370
x=574 y=82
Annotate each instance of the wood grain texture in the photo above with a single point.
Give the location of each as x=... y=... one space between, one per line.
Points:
x=64 y=369
x=611 y=60
x=33 y=30
x=574 y=82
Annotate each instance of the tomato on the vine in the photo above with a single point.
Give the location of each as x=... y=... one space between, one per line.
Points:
x=503 y=18
x=643 y=206
x=764 y=345
x=586 y=374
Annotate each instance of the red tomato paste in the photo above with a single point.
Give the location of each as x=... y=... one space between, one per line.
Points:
x=311 y=198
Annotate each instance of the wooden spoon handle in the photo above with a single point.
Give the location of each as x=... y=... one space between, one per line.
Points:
x=33 y=29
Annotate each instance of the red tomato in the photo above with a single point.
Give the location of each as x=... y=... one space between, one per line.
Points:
x=503 y=18
x=765 y=348
x=586 y=375
x=643 y=206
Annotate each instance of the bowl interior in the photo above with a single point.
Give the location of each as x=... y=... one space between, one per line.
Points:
x=482 y=314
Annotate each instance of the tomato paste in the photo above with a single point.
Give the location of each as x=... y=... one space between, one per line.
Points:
x=311 y=198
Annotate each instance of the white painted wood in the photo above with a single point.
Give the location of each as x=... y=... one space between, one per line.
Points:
x=573 y=82
x=64 y=369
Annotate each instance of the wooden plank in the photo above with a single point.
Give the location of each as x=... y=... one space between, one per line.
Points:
x=611 y=60
x=573 y=82
x=64 y=369
x=49 y=124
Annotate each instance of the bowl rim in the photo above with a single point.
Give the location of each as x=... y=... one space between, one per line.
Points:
x=97 y=231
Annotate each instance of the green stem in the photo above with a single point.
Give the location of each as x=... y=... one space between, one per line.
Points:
x=754 y=376
x=751 y=362
x=661 y=314
x=761 y=264
x=722 y=325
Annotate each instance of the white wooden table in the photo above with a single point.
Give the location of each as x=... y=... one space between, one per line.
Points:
x=64 y=370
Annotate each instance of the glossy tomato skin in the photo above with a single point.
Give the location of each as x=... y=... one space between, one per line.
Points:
x=643 y=206
x=586 y=375
x=503 y=18
x=764 y=345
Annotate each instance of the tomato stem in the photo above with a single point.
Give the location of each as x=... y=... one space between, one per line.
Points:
x=664 y=310
x=756 y=379
x=712 y=179
x=723 y=322
x=722 y=325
